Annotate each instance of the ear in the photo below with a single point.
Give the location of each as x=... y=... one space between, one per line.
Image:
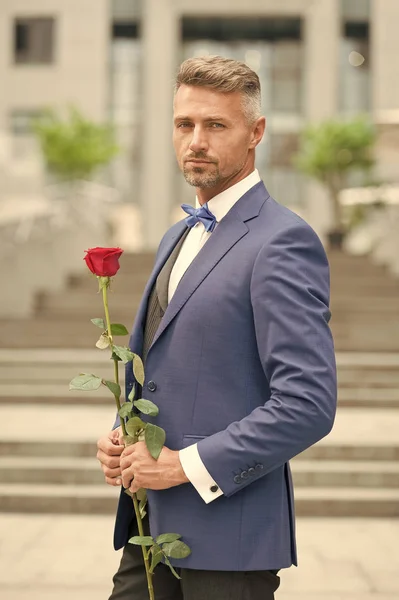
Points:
x=258 y=129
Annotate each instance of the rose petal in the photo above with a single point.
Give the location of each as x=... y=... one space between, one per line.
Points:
x=104 y=262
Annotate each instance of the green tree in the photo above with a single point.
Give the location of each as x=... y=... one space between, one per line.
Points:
x=331 y=151
x=74 y=148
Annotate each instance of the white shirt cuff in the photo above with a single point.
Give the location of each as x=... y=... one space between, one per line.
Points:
x=198 y=474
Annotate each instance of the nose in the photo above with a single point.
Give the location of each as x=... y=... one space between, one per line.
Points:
x=198 y=141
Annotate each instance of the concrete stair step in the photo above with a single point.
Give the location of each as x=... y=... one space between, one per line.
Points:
x=338 y=260
x=372 y=298
x=306 y=473
x=136 y=259
x=380 y=340
x=381 y=308
x=56 y=448
x=102 y=499
x=344 y=280
x=355 y=316
x=129 y=274
x=368 y=380
x=361 y=362
x=57 y=335
x=341 y=451
x=78 y=499
x=358 y=434
x=330 y=473
x=55 y=331
x=369 y=397
x=346 y=502
x=56 y=392
x=50 y=470
x=42 y=372
x=83 y=302
x=371 y=378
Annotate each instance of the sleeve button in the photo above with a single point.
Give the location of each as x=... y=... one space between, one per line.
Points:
x=214 y=488
x=251 y=471
x=244 y=475
x=152 y=386
x=259 y=467
x=237 y=479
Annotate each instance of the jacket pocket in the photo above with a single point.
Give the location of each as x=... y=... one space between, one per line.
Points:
x=190 y=439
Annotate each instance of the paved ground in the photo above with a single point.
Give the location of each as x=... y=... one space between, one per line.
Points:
x=68 y=557
x=73 y=423
x=57 y=557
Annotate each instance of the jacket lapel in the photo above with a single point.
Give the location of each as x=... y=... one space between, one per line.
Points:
x=228 y=232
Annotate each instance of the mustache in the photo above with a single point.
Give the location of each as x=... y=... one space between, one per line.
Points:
x=200 y=156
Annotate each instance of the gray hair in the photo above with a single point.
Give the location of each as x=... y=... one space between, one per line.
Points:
x=225 y=75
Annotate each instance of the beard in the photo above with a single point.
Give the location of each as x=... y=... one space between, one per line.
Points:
x=200 y=177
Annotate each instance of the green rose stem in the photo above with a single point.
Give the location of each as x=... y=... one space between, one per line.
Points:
x=104 y=285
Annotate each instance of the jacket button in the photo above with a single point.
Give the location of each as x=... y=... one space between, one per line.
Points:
x=244 y=474
x=259 y=467
x=251 y=471
x=152 y=386
x=237 y=479
x=214 y=488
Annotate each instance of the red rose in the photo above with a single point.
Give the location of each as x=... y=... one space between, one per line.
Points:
x=103 y=262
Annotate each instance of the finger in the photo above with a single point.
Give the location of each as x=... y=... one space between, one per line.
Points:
x=126 y=462
x=138 y=447
x=110 y=461
x=127 y=477
x=108 y=447
x=134 y=487
x=116 y=436
x=111 y=473
x=129 y=450
x=113 y=481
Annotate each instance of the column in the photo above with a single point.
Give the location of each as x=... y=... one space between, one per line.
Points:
x=322 y=39
x=385 y=85
x=384 y=19
x=6 y=45
x=160 y=38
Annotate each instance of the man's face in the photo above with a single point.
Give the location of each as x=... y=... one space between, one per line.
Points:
x=211 y=136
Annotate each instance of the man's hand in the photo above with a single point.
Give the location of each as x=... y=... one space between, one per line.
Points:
x=110 y=448
x=141 y=470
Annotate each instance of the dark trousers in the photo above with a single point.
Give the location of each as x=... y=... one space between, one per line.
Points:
x=130 y=582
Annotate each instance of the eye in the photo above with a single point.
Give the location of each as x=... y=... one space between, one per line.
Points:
x=183 y=124
x=217 y=125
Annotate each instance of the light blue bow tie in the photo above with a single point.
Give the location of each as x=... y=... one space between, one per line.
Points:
x=202 y=214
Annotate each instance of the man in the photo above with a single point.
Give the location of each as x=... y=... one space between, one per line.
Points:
x=233 y=329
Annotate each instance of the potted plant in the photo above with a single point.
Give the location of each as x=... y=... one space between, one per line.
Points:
x=331 y=152
x=74 y=148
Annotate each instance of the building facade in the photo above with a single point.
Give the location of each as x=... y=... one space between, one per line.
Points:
x=117 y=59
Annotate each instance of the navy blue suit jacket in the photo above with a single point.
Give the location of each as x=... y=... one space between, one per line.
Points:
x=243 y=363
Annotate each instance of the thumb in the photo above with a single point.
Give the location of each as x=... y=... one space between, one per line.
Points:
x=116 y=436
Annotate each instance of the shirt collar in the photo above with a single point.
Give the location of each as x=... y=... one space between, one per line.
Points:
x=221 y=204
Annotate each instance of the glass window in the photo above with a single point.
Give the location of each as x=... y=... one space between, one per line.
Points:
x=34 y=40
x=355 y=68
x=125 y=103
x=21 y=121
x=20 y=127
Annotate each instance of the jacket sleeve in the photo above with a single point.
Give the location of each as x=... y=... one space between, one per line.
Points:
x=290 y=300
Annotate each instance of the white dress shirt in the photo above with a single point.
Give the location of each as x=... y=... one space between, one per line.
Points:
x=220 y=205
